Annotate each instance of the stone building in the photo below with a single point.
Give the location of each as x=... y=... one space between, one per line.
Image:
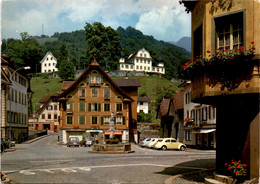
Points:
x=225 y=34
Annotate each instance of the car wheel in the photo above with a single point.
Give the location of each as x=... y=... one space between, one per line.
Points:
x=182 y=148
x=164 y=148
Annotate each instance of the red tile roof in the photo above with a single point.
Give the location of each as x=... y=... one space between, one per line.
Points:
x=95 y=66
x=164 y=107
x=178 y=100
x=66 y=85
x=143 y=99
x=127 y=82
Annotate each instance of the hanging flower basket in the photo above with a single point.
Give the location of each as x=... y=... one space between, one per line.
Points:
x=228 y=67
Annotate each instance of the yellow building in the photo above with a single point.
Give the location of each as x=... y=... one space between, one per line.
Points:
x=225 y=72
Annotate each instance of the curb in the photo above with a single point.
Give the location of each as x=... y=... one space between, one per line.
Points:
x=172 y=178
x=112 y=152
x=36 y=139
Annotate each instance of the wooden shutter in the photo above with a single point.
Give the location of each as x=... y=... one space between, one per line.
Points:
x=102 y=120
x=89 y=107
x=123 y=120
x=87 y=79
x=99 y=107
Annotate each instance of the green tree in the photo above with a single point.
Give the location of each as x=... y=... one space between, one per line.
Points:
x=66 y=70
x=166 y=92
x=104 y=44
x=26 y=52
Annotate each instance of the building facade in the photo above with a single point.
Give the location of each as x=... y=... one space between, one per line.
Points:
x=86 y=106
x=48 y=63
x=229 y=28
x=140 y=61
x=199 y=121
x=47 y=116
x=15 y=125
x=143 y=104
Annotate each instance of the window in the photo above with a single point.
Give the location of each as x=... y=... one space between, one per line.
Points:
x=119 y=107
x=94 y=92
x=132 y=66
x=119 y=120
x=94 y=107
x=81 y=84
x=55 y=116
x=172 y=140
x=145 y=68
x=168 y=140
x=137 y=67
x=188 y=135
x=82 y=107
x=204 y=114
x=43 y=116
x=49 y=64
x=55 y=107
x=47 y=59
x=126 y=66
x=53 y=64
x=51 y=58
x=141 y=67
x=91 y=79
x=94 y=120
x=229 y=31
x=106 y=120
x=70 y=106
x=82 y=120
x=197 y=44
x=81 y=92
x=187 y=113
x=45 y=65
x=141 y=103
x=69 y=96
x=69 y=120
x=49 y=116
x=49 y=107
x=122 y=66
x=106 y=92
x=98 y=79
x=106 y=107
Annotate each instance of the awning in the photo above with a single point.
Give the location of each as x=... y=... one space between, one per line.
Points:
x=204 y=131
x=115 y=132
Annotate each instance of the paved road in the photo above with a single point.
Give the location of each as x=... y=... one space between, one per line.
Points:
x=44 y=161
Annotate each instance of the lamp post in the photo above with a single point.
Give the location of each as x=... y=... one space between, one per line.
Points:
x=11 y=78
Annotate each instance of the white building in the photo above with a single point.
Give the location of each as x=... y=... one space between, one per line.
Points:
x=143 y=104
x=140 y=61
x=48 y=63
x=199 y=121
x=15 y=108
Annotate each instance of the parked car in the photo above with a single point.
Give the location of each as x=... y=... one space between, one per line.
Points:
x=88 y=141
x=145 y=142
x=7 y=143
x=73 y=141
x=153 y=142
x=169 y=143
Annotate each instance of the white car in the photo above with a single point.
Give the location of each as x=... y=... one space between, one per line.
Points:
x=153 y=142
x=145 y=142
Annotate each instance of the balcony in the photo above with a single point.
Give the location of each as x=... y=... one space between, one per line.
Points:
x=94 y=84
x=119 y=112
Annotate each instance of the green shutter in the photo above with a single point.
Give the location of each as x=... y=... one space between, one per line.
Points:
x=99 y=107
x=89 y=107
x=123 y=120
x=102 y=79
x=102 y=120
x=87 y=79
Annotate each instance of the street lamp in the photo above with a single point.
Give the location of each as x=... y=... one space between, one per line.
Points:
x=11 y=78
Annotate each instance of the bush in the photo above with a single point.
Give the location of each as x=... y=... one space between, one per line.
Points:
x=142 y=117
x=112 y=141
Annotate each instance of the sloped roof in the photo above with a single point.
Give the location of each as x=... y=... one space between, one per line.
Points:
x=95 y=66
x=164 y=107
x=178 y=99
x=4 y=78
x=49 y=52
x=66 y=85
x=46 y=99
x=143 y=99
x=127 y=82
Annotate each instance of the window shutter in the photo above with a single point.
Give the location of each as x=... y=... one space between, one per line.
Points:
x=102 y=79
x=99 y=107
x=123 y=120
x=102 y=120
x=87 y=79
x=89 y=107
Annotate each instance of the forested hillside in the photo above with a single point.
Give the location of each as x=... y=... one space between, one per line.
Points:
x=131 y=41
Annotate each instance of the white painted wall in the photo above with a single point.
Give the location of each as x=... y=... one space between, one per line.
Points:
x=48 y=63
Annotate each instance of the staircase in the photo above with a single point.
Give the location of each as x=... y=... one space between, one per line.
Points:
x=221 y=179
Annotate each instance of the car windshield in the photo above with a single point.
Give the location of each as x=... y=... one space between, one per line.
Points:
x=88 y=139
x=74 y=139
x=160 y=140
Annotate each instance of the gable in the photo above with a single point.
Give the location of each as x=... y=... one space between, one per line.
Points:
x=48 y=55
x=93 y=76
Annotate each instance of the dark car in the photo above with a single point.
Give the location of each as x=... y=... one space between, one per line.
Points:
x=7 y=143
x=73 y=141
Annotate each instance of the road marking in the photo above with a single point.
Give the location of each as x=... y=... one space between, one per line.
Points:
x=53 y=161
x=88 y=168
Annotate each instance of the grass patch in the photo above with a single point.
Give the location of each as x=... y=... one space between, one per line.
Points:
x=41 y=87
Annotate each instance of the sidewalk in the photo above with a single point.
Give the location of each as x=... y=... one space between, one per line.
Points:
x=35 y=139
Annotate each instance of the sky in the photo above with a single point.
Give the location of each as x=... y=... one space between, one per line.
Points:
x=163 y=19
